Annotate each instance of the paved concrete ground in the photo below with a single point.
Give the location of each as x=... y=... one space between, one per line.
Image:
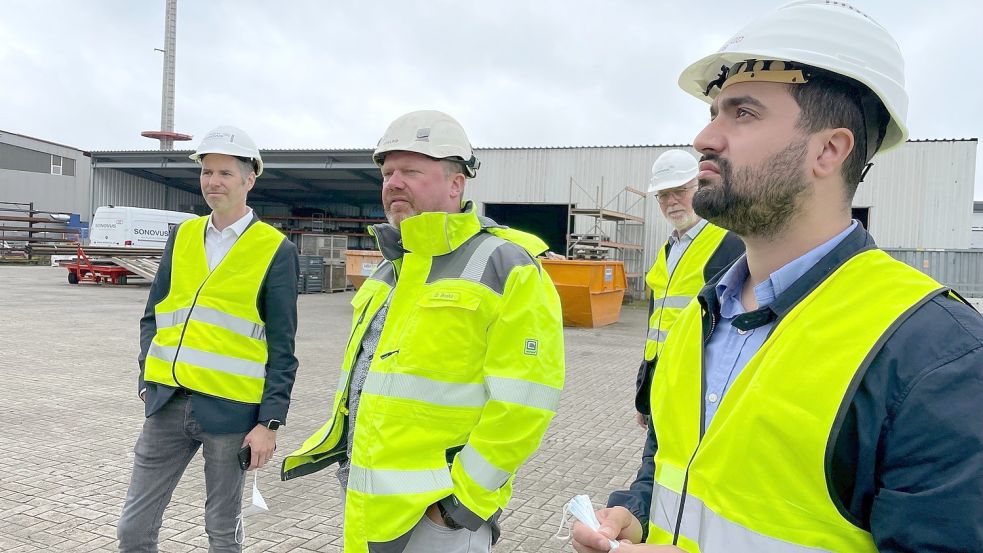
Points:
x=71 y=416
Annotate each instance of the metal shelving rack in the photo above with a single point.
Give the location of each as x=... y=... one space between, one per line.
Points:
x=626 y=210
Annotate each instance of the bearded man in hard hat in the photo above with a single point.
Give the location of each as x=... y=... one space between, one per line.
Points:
x=216 y=358
x=819 y=395
x=454 y=364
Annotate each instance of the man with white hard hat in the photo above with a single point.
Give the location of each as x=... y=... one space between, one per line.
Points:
x=216 y=360
x=819 y=395
x=695 y=251
x=454 y=364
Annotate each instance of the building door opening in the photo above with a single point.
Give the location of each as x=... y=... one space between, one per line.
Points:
x=861 y=214
x=547 y=221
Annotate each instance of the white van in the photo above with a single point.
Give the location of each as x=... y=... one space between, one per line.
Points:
x=133 y=226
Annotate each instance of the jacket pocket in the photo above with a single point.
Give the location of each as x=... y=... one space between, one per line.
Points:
x=445 y=333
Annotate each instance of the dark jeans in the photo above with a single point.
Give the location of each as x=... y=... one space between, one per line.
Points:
x=169 y=440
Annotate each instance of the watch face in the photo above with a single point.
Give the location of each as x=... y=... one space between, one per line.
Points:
x=273 y=425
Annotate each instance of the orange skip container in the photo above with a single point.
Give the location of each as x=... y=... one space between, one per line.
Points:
x=591 y=292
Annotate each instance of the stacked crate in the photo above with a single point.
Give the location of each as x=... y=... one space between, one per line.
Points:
x=331 y=248
x=311 y=278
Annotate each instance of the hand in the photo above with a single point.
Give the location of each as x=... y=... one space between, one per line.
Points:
x=262 y=441
x=433 y=513
x=641 y=420
x=617 y=523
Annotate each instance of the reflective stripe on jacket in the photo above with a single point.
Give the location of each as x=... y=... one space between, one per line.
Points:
x=210 y=337
x=464 y=382
x=670 y=294
x=757 y=479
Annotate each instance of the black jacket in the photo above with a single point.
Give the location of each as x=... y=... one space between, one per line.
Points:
x=729 y=249
x=907 y=449
x=277 y=304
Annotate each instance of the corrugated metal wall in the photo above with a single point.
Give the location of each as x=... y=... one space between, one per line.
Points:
x=112 y=187
x=921 y=195
x=960 y=270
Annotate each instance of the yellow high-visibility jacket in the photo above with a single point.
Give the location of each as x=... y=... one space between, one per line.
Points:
x=210 y=337
x=756 y=480
x=468 y=371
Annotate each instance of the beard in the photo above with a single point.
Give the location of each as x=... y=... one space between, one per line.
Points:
x=754 y=201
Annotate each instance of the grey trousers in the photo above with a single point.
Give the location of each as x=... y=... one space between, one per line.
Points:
x=429 y=537
x=169 y=440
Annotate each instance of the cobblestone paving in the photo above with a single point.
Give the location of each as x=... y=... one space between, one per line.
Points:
x=71 y=418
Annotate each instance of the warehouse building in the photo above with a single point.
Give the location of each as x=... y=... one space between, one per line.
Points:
x=919 y=196
x=53 y=177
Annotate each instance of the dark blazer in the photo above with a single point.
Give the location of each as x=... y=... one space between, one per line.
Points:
x=277 y=304
x=905 y=458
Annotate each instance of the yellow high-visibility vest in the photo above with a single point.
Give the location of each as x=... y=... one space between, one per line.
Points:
x=671 y=293
x=756 y=481
x=210 y=337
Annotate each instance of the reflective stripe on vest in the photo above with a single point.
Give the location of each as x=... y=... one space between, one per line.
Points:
x=210 y=337
x=670 y=294
x=456 y=394
x=756 y=480
x=397 y=482
x=249 y=329
x=720 y=533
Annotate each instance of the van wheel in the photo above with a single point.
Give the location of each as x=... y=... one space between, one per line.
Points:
x=73 y=278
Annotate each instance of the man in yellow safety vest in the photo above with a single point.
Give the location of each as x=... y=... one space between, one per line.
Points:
x=819 y=395
x=216 y=358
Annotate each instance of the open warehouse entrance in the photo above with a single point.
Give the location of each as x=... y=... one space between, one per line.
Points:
x=547 y=221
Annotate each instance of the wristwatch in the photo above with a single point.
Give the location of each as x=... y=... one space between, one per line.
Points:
x=272 y=424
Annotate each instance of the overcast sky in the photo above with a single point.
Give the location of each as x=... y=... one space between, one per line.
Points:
x=333 y=74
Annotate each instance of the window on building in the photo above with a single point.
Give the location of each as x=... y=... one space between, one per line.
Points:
x=16 y=158
x=55 y=164
x=68 y=167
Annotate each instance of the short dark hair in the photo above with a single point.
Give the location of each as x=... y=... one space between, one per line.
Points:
x=830 y=101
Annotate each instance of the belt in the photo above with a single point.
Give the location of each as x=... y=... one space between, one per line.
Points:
x=182 y=392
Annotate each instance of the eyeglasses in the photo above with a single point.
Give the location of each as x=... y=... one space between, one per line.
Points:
x=677 y=193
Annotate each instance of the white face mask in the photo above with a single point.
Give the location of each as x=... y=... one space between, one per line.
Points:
x=258 y=506
x=581 y=507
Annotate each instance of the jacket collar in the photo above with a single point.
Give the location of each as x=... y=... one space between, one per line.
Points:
x=855 y=242
x=430 y=234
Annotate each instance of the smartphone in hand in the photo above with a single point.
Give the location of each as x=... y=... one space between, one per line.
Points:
x=245 y=456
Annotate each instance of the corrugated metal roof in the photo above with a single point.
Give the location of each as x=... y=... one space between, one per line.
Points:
x=358 y=150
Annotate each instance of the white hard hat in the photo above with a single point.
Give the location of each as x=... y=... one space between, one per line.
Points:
x=828 y=35
x=431 y=133
x=230 y=141
x=672 y=169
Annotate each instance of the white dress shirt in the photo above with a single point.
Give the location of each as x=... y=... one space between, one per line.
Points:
x=219 y=242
